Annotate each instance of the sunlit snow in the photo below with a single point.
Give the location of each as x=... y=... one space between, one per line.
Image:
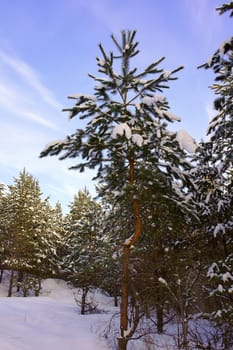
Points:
x=52 y=321
x=48 y=322
x=120 y=130
x=186 y=141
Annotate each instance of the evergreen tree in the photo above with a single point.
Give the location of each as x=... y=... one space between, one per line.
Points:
x=85 y=256
x=125 y=138
x=28 y=230
x=214 y=169
x=1 y=228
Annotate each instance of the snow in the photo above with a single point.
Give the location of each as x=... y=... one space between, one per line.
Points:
x=186 y=141
x=121 y=129
x=52 y=321
x=85 y=96
x=167 y=74
x=163 y=281
x=227 y=277
x=172 y=116
x=150 y=101
x=219 y=228
x=48 y=322
x=137 y=140
x=53 y=143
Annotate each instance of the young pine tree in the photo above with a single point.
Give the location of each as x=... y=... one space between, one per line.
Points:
x=26 y=224
x=85 y=255
x=126 y=139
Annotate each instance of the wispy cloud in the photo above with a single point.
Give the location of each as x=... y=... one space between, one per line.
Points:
x=20 y=147
x=205 y=20
x=13 y=101
x=29 y=76
x=23 y=95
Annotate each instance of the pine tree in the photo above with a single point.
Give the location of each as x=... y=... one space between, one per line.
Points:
x=26 y=219
x=85 y=256
x=226 y=7
x=127 y=133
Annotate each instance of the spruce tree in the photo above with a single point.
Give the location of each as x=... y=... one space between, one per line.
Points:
x=126 y=138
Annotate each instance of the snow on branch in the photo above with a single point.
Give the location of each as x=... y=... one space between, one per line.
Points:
x=150 y=101
x=83 y=96
x=186 y=141
x=120 y=130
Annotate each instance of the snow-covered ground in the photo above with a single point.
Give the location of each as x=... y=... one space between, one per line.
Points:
x=51 y=321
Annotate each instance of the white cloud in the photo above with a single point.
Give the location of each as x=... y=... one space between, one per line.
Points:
x=20 y=147
x=205 y=20
x=25 y=104
x=29 y=76
x=38 y=119
x=14 y=101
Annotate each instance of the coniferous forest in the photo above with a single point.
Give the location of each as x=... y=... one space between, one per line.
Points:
x=159 y=236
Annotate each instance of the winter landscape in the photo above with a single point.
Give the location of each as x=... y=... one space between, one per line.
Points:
x=53 y=322
x=146 y=261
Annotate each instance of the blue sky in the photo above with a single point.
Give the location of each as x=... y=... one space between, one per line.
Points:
x=47 y=48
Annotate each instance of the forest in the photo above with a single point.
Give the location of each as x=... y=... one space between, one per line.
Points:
x=158 y=237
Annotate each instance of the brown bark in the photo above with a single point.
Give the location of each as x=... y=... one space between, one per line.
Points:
x=122 y=344
x=123 y=340
x=83 y=300
x=125 y=290
x=1 y=276
x=11 y=284
x=159 y=312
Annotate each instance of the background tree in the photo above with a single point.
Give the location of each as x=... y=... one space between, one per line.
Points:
x=215 y=187
x=28 y=230
x=2 y=231
x=85 y=256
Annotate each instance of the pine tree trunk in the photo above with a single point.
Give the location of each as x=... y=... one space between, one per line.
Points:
x=159 y=312
x=11 y=283
x=1 y=276
x=115 y=298
x=122 y=344
x=20 y=279
x=185 y=334
x=122 y=341
x=125 y=290
x=83 y=300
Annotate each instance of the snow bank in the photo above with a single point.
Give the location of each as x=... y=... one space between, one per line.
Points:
x=57 y=289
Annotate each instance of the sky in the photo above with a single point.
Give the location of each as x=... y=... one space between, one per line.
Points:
x=47 y=49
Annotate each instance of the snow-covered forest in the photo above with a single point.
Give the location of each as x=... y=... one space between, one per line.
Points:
x=157 y=243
